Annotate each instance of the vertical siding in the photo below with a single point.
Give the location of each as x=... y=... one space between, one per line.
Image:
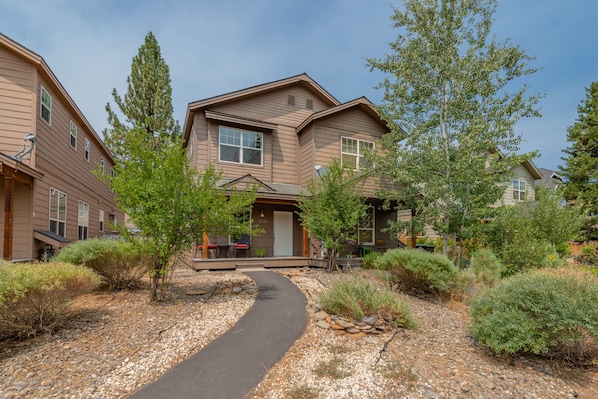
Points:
x=16 y=101
x=21 y=238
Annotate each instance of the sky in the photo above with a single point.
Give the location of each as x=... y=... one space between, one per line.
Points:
x=214 y=47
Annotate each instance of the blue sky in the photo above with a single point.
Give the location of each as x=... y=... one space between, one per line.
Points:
x=214 y=47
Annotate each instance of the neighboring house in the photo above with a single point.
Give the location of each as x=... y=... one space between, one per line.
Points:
x=277 y=136
x=550 y=179
x=48 y=151
x=522 y=186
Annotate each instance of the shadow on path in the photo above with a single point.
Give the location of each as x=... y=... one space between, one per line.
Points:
x=232 y=365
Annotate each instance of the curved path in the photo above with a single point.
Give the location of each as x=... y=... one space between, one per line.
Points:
x=232 y=365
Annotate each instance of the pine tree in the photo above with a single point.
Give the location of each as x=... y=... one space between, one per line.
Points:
x=147 y=103
x=447 y=86
x=581 y=163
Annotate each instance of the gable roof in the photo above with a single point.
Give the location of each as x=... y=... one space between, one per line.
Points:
x=44 y=70
x=362 y=103
x=275 y=191
x=301 y=79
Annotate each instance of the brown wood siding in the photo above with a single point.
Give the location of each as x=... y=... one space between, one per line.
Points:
x=16 y=101
x=285 y=156
x=22 y=231
x=307 y=150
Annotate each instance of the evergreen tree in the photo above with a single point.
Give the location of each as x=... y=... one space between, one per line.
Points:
x=581 y=163
x=447 y=86
x=147 y=103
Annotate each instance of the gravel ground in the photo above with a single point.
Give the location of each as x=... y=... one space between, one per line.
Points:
x=114 y=344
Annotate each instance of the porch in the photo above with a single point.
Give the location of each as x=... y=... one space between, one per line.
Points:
x=267 y=262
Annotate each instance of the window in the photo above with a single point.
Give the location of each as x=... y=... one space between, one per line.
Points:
x=240 y=146
x=87 y=147
x=353 y=152
x=83 y=221
x=73 y=135
x=112 y=173
x=102 y=164
x=57 y=212
x=101 y=218
x=518 y=190
x=309 y=104
x=365 y=231
x=46 y=106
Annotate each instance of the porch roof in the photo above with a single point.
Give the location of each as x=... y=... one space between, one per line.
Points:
x=268 y=190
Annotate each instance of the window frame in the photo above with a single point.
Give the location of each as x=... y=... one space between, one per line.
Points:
x=82 y=221
x=87 y=149
x=371 y=228
x=73 y=137
x=101 y=220
x=43 y=106
x=241 y=147
x=359 y=156
x=57 y=217
x=519 y=193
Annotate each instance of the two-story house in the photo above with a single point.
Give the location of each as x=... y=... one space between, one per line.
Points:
x=277 y=136
x=48 y=150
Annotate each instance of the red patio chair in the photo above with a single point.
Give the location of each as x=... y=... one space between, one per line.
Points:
x=243 y=244
x=212 y=249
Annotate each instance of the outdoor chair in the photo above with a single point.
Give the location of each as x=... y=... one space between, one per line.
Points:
x=212 y=250
x=242 y=244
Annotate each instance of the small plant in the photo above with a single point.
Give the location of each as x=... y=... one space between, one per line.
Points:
x=588 y=255
x=120 y=264
x=368 y=261
x=339 y=349
x=334 y=368
x=395 y=371
x=302 y=392
x=462 y=285
x=487 y=268
x=35 y=297
x=418 y=270
x=260 y=253
x=550 y=312
x=356 y=297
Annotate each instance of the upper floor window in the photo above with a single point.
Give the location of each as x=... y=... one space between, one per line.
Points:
x=518 y=190
x=101 y=219
x=102 y=164
x=73 y=135
x=353 y=152
x=87 y=148
x=46 y=106
x=240 y=146
x=57 y=212
x=83 y=224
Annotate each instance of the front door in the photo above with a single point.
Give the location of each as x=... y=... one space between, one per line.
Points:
x=283 y=233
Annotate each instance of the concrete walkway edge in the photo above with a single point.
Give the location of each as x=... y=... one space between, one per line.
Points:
x=231 y=366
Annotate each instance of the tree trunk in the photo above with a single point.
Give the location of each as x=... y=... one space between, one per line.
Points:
x=331 y=259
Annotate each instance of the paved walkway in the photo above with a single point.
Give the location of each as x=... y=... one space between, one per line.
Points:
x=232 y=365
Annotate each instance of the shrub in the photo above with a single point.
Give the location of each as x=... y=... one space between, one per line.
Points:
x=462 y=284
x=356 y=297
x=419 y=270
x=120 y=264
x=35 y=297
x=368 y=261
x=550 y=312
x=588 y=254
x=487 y=268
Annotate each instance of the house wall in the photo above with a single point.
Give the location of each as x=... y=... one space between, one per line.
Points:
x=520 y=173
x=22 y=219
x=17 y=101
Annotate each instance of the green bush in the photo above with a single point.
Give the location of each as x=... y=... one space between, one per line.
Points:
x=356 y=297
x=462 y=284
x=487 y=268
x=34 y=297
x=368 y=261
x=588 y=255
x=550 y=312
x=419 y=270
x=121 y=264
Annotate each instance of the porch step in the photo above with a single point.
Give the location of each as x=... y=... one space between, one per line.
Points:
x=247 y=265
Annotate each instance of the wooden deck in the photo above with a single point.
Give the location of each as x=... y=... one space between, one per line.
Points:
x=273 y=262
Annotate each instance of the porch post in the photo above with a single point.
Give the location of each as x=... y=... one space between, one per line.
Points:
x=204 y=247
x=9 y=201
x=305 y=243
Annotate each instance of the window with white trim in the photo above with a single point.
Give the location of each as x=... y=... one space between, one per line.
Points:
x=73 y=131
x=57 y=212
x=240 y=146
x=353 y=152
x=518 y=190
x=87 y=148
x=102 y=164
x=83 y=224
x=365 y=230
x=101 y=219
x=46 y=106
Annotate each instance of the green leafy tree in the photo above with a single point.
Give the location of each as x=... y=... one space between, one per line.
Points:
x=447 y=85
x=333 y=207
x=581 y=163
x=147 y=103
x=168 y=201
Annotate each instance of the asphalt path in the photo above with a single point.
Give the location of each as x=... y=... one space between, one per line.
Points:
x=232 y=365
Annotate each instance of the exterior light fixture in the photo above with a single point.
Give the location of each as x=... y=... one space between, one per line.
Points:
x=261 y=213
